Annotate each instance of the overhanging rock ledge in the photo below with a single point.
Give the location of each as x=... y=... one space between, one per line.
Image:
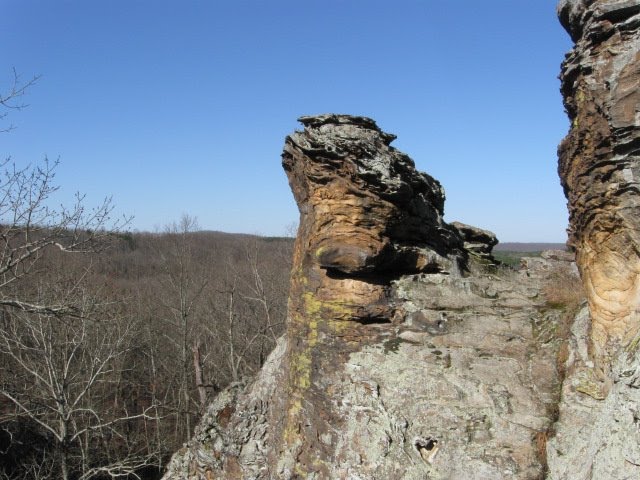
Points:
x=406 y=354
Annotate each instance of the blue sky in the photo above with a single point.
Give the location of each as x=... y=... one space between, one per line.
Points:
x=180 y=107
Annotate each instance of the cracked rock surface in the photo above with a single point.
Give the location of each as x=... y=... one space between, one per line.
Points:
x=599 y=164
x=471 y=372
x=406 y=354
x=597 y=434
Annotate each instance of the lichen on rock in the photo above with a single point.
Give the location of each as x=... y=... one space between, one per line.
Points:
x=599 y=166
x=403 y=356
x=367 y=216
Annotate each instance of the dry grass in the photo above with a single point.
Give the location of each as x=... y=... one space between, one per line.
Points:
x=564 y=290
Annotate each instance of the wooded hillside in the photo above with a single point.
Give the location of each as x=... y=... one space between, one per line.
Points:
x=144 y=334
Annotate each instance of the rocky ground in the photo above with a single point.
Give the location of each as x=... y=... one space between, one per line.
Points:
x=407 y=355
x=466 y=387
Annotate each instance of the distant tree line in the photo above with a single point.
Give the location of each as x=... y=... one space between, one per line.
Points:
x=109 y=353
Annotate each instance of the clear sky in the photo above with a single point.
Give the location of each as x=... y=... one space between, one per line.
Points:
x=182 y=106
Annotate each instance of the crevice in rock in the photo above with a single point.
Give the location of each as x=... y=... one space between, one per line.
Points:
x=427 y=448
x=372 y=320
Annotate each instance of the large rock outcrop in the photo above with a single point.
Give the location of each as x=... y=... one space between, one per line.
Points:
x=404 y=357
x=367 y=216
x=599 y=164
x=597 y=435
x=408 y=354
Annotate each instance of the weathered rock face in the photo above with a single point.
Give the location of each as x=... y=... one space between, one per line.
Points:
x=366 y=217
x=398 y=362
x=599 y=164
x=597 y=433
x=365 y=209
x=477 y=241
x=465 y=388
x=403 y=358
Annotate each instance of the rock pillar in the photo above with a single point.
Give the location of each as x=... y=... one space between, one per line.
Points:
x=599 y=164
x=367 y=216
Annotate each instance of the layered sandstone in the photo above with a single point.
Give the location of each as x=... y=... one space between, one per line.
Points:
x=597 y=435
x=477 y=241
x=407 y=355
x=599 y=164
x=367 y=216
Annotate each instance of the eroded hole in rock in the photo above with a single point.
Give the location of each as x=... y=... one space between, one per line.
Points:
x=372 y=320
x=427 y=448
x=368 y=277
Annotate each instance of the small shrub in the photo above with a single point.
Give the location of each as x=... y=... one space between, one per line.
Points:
x=512 y=258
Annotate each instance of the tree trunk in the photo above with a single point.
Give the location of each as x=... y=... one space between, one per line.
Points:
x=197 y=365
x=232 y=353
x=64 y=461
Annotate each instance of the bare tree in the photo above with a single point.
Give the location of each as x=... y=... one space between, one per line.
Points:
x=11 y=99
x=61 y=341
x=38 y=466
x=247 y=306
x=29 y=227
x=264 y=288
x=58 y=372
x=184 y=284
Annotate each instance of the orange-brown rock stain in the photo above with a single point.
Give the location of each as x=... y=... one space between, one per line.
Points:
x=355 y=195
x=322 y=332
x=602 y=193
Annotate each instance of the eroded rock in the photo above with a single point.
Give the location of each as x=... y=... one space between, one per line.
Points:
x=364 y=207
x=401 y=360
x=597 y=432
x=468 y=389
x=477 y=241
x=367 y=216
x=599 y=165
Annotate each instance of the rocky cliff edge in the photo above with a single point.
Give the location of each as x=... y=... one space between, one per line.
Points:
x=408 y=352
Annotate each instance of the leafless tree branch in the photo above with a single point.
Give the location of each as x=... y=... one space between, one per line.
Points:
x=12 y=98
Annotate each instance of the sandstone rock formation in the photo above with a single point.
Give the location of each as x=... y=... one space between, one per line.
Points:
x=408 y=354
x=366 y=217
x=599 y=164
x=477 y=241
x=397 y=362
x=597 y=433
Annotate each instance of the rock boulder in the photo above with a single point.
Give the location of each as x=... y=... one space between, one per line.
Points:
x=477 y=241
